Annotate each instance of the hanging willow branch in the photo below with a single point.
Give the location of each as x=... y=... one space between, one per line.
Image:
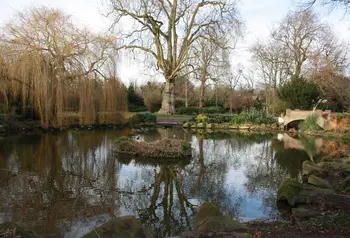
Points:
x=52 y=65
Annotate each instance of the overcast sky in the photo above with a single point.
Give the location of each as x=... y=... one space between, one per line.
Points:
x=258 y=15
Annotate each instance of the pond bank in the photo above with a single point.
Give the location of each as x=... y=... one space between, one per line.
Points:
x=229 y=126
x=319 y=206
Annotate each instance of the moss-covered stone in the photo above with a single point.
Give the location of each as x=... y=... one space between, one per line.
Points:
x=318 y=182
x=288 y=191
x=330 y=167
x=206 y=210
x=310 y=168
x=210 y=219
x=123 y=227
x=11 y=229
x=296 y=193
x=218 y=223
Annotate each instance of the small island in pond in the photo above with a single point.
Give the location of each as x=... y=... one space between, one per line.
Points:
x=161 y=149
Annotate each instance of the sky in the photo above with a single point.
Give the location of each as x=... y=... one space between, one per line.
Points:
x=259 y=17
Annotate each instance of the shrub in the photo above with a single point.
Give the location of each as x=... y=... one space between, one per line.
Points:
x=147 y=117
x=152 y=95
x=342 y=115
x=134 y=99
x=219 y=118
x=299 y=93
x=201 y=118
x=310 y=124
x=188 y=110
x=212 y=110
x=279 y=106
x=346 y=139
x=252 y=116
x=238 y=119
x=136 y=108
x=204 y=110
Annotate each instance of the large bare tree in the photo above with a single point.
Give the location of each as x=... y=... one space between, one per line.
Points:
x=166 y=30
x=299 y=33
x=330 y=3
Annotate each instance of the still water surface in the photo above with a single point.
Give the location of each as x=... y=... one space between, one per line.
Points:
x=64 y=184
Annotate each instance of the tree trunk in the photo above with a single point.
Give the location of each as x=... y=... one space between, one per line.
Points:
x=168 y=102
x=201 y=93
x=186 y=93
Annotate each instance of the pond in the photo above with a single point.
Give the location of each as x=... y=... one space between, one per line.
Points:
x=63 y=184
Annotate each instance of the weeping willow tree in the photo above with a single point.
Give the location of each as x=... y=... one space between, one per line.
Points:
x=59 y=71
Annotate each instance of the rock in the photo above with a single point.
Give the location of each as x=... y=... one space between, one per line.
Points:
x=318 y=182
x=296 y=193
x=210 y=221
x=206 y=211
x=310 y=168
x=123 y=227
x=288 y=191
x=330 y=166
x=219 y=223
x=345 y=170
x=304 y=212
x=11 y=229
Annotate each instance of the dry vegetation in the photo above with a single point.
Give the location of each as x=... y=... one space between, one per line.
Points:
x=57 y=70
x=168 y=148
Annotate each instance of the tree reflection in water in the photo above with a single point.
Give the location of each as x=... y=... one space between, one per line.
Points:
x=58 y=180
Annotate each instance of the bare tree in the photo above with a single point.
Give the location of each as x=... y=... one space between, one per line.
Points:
x=208 y=60
x=299 y=33
x=166 y=30
x=330 y=3
x=272 y=65
x=232 y=81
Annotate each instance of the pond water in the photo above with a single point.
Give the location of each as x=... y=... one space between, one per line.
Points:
x=63 y=184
